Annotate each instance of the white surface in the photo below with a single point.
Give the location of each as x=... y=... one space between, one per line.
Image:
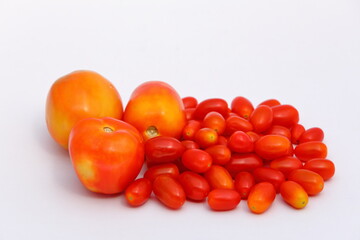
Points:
x=305 y=53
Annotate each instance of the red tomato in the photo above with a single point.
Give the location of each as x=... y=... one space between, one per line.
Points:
x=261 y=118
x=242 y=107
x=211 y=105
x=240 y=142
x=324 y=167
x=286 y=164
x=244 y=181
x=107 y=154
x=285 y=115
x=218 y=177
x=206 y=137
x=222 y=140
x=163 y=150
x=253 y=136
x=235 y=123
x=243 y=162
x=261 y=197
x=273 y=176
x=167 y=168
x=312 y=134
x=214 y=120
x=279 y=130
x=270 y=103
x=188 y=144
x=189 y=102
x=197 y=160
x=189 y=113
x=220 y=154
x=309 y=150
x=294 y=194
x=223 y=199
x=190 y=129
x=296 y=131
x=138 y=192
x=195 y=186
x=169 y=191
x=272 y=146
x=312 y=182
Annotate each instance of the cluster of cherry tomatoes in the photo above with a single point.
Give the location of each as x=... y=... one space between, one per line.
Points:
x=228 y=153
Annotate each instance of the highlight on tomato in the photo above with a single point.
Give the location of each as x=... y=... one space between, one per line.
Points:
x=294 y=194
x=223 y=199
x=138 y=192
x=261 y=197
x=169 y=191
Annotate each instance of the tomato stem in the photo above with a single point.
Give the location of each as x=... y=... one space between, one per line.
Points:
x=152 y=131
x=108 y=129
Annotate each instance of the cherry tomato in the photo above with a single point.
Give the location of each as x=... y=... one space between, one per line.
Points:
x=324 y=167
x=270 y=103
x=167 y=168
x=211 y=105
x=188 y=144
x=222 y=140
x=244 y=181
x=218 y=177
x=190 y=129
x=296 y=131
x=206 y=137
x=223 y=199
x=261 y=197
x=273 y=176
x=195 y=186
x=309 y=150
x=220 y=154
x=197 y=160
x=163 y=150
x=286 y=164
x=253 y=136
x=242 y=107
x=312 y=134
x=189 y=113
x=261 y=118
x=138 y=192
x=279 y=130
x=312 y=182
x=294 y=194
x=235 y=123
x=169 y=191
x=285 y=115
x=272 y=146
x=214 y=120
x=189 y=102
x=240 y=142
x=243 y=162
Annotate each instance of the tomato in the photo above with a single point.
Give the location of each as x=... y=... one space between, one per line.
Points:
x=195 y=186
x=167 y=168
x=107 y=154
x=222 y=140
x=279 y=130
x=191 y=127
x=218 y=177
x=285 y=115
x=189 y=113
x=223 y=199
x=235 y=123
x=296 y=131
x=240 y=142
x=242 y=107
x=273 y=176
x=188 y=144
x=309 y=150
x=261 y=197
x=220 y=154
x=272 y=146
x=270 y=103
x=169 y=191
x=214 y=120
x=324 y=167
x=156 y=109
x=312 y=134
x=79 y=95
x=138 y=192
x=286 y=164
x=189 y=102
x=243 y=162
x=163 y=150
x=197 y=160
x=206 y=137
x=244 y=181
x=312 y=182
x=211 y=105
x=261 y=118
x=253 y=136
x=294 y=194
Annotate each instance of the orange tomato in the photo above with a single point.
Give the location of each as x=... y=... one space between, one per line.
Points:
x=312 y=182
x=261 y=197
x=218 y=177
x=294 y=194
x=272 y=146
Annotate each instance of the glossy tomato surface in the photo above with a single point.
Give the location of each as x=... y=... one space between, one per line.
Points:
x=218 y=177
x=138 y=192
x=223 y=199
x=240 y=142
x=169 y=191
x=242 y=107
x=211 y=105
x=261 y=197
x=236 y=123
x=273 y=176
x=170 y=169
x=190 y=129
x=286 y=164
x=312 y=134
x=215 y=121
x=272 y=146
x=309 y=150
x=195 y=186
x=296 y=131
x=270 y=102
x=206 y=137
x=261 y=118
x=312 y=182
x=244 y=181
x=220 y=154
x=285 y=115
x=294 y=194
x=197 y=160
x=324 y=167
x=243 y=162
x=189 y=102
x=163 y=149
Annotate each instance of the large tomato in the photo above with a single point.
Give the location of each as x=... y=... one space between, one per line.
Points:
x=79 y=95
x=156 y=109
x=107 y=154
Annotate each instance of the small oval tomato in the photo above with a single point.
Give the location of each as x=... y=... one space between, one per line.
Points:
x=236 y=123
x=279 y=130
x=272 y=146
x=169 y=191
x=270 y=103
x=242 y=107
x=273 y=176
x=312 y=134
x=286 y=164
x=261 y=118
x=214 y=120
x=211 y=105
x=223 y=199
x=324 y=167
x=309 y=150
x=244 y=181
x=285 y=115
x=195 y=186
x=261 y=197
x=240 y=142
x=138 y=192
x=189 y=113
x=206 y=137
x=167 y=168
x=253 y=136
x=296 y=131
x=218 y=177
x=189 y=102
x=222 y=140
x=188 y=144
x=312 y=182
x=220 y=154
x=196 y=160
x=243 y=162
x=163 y=150
x=294 y=194
x=190 y=129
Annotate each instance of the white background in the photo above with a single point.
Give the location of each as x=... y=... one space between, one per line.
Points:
x=302 y=52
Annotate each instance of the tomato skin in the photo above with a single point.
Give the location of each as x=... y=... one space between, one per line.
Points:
x=243 y=162
x=107 y=154
x=196 y=160
x=324 y=167
x=189 y=102
x=294 y=194
x=190 y=129
x=138 y=192
x=270 y=102
x=214 y=120
x=188 y=144
x=211 y=105
x=261 y=118
x=222 y=140
x=309 y=150
x=236 y=123
x=286 y=164
x=220 y=154
x=312 y=182
x=272 y=146
x=79 y=95
x=285 y=115
x=163 y=149
x=223 y=199
x=261 y=197
x=240 y=142
x=296 y=131
x=218 y=177
x=244 y=181
x=279 y=130
x=169 y=191
x=312 y=134
x=273 y=176
x=167 y=168
x=253 y=136
x=195 y=186
x=206 y=137
x=189 y=113
x=242 y=107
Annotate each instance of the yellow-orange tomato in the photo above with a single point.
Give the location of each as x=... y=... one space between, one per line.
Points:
x=156 y=109
x=294 y=194
x=79 y=95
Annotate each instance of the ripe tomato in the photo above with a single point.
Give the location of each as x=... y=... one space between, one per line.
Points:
x=273 y=176
x=156 y=109
x=244 y=181
x=242 y=107
x=309 y=150
x=79 y=95
x=240 y=142
x=206 y=137
x=312 y=134
x=236 y=123
x=195 y=186
x=220 y=154
x=324 y=167
x=191 y=127
x=196 y=160
x=294 y=194
x=312 y=182
x=214 y=120
x=163 y=150
x=253 y=136
x=189 y=113
x=189 y=102
x=279 y=130
x=285 y=115
x=272 y=146
x=107 y=154
x=169 y=191
x=188 y=144
x=222 y=140
x=211 y=105
x=166 y=168
x=261 y=197
x=218 y=177
x=223 y=199
x=286 y=164
x=270 y=103
x=296 y=131
x=138 y=192
x=243 y=162
x=261 y=118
